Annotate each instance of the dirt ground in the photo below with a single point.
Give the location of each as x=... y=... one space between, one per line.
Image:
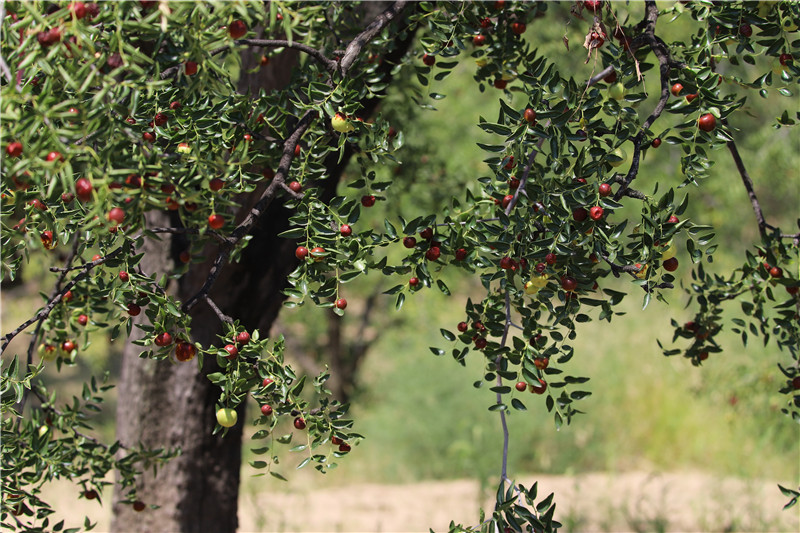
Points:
x=638 y=501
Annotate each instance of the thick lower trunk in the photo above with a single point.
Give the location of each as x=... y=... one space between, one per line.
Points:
x=173 y=405
x=166 y=405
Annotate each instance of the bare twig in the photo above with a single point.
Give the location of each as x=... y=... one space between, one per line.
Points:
x=375 y=27
x=222 y=316
x=498 y=360
x=329 y=64
x=748 y=185
x=599 y=76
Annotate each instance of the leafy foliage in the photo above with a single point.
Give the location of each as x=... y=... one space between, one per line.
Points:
x=125 y=109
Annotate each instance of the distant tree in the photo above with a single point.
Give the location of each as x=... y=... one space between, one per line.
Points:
x=179 y=165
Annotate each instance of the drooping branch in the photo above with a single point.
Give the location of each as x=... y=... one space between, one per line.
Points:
x=748 y=185
x=504 y=423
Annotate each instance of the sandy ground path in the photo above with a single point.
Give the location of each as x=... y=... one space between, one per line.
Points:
x=681 y=502
x=637 y=501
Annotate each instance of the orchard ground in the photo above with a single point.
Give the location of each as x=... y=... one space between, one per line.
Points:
x=632 y=501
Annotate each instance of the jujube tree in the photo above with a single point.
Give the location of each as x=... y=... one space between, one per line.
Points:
x=180 y=197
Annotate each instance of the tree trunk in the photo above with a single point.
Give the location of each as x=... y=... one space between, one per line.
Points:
x=166 y=405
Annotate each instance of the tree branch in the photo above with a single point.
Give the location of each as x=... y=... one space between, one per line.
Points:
x=498 y=359
x=329 y=64
x=255 y=213
x=222 y=316
x=51 y=304
x=664 y=63
x=380 y=22
x=748 y=185
x=289 y=145
x=631 y=193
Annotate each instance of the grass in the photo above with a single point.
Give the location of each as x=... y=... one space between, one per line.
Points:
x=646 y=410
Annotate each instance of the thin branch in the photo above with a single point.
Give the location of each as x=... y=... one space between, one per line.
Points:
x=663 y=285
x=748 y=184
x=633 y=270
x=599 y=76
x=525 y=173
x=290 y=192
x=6 y=72
x=329 y=64
x=463 y=223
x=665 y=62
x=616 y=269
x=192 y=231
x=213 y=274
x=222 y=316
x=375 y=27
x=79 y=267
x=277 y=181
x=60 y=415
x=255 y=213
x=631 y=193
x=54 y=300
x=504 y=423
x=175 y=230
x=20 y=406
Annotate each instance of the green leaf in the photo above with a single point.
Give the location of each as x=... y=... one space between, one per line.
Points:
x=391 y=232
x=401 y=298
x=447 y=335
x=495 y=128
x=442 y=287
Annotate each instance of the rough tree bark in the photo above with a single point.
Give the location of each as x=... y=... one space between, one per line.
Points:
x=164 y=405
